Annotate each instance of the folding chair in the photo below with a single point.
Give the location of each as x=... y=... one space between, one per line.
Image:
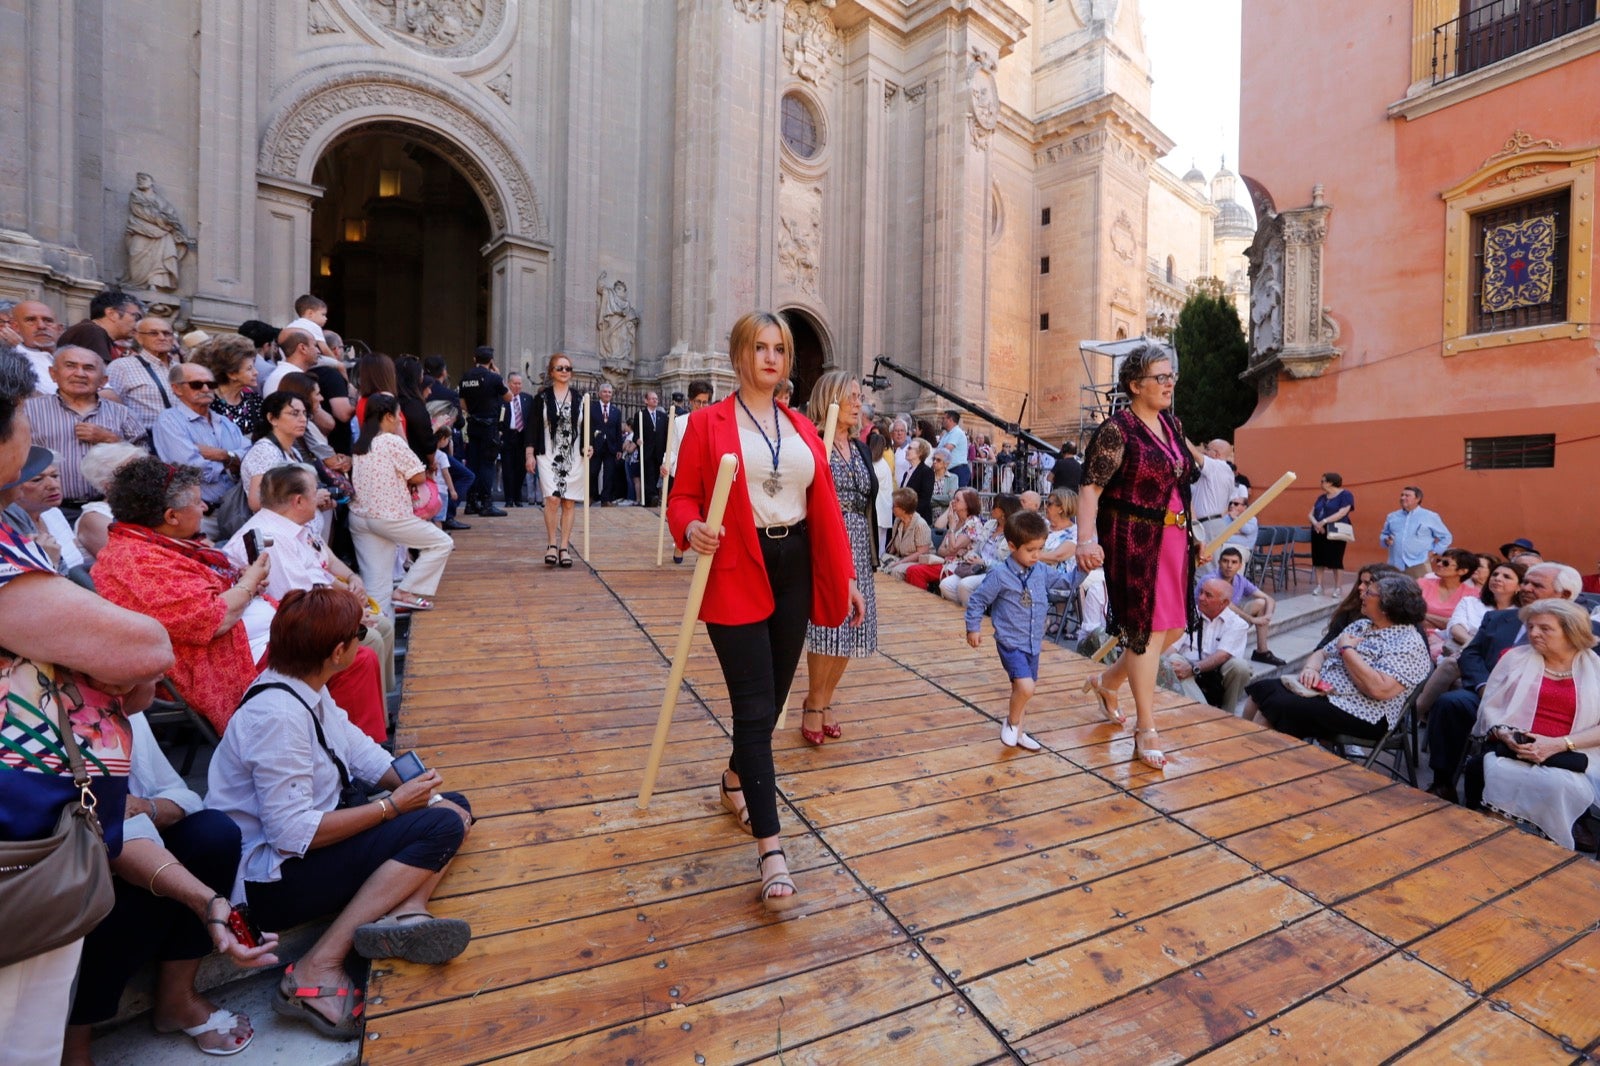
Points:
x=1065 y=618
x=173 y=721
x=1256 y=569
x=1399 y=741
x=1301 y=538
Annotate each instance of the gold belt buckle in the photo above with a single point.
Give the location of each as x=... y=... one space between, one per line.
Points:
x=1173 y=518
x=783 y=532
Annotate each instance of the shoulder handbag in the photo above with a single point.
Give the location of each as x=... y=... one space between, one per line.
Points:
x=232 y=512
x=56 y=889
x=1341 y=531
x=425 y=502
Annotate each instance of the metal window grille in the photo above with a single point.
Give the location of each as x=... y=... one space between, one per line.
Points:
x=1533 y=452
x=1044 y=321
x=1044 y=264
x=1044 y=216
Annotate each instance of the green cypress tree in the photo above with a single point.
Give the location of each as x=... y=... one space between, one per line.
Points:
x=1212 y=353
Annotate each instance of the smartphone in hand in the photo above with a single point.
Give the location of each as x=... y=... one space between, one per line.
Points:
x=408 y=766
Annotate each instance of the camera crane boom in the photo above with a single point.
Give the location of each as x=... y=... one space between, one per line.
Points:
x=1024 y=438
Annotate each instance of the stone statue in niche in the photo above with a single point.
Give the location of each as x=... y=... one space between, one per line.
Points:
x=156 y=238
x=810 y=42
x=1266 y=302
x=800 y=239
x=616 y=324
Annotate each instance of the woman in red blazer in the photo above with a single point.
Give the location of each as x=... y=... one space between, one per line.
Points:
x=781 y=557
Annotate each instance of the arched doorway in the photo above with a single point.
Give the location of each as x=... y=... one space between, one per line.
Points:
x=396 y=247
x=810 y=353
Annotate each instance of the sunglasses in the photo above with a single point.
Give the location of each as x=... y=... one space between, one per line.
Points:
x=197 y=386
x=562 y=369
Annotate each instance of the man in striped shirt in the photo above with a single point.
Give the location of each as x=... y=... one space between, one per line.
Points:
x=75 y=419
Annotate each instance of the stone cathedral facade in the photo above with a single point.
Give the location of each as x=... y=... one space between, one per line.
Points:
x=963 y=185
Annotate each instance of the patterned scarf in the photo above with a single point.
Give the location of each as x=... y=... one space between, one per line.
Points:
x=204 y=554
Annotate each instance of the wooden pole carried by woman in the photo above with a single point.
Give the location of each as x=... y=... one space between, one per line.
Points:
x=831 y=424
x=666 y=483
x=588 y=450
x=726 y=469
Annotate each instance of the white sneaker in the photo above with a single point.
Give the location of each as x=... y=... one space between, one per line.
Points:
x=1013 y=737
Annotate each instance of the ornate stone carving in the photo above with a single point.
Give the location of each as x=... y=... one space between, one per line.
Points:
x=1124 y=238
x=800 y=235
x=616 y=326
x=318 y=21
x=1290 y=327
x=1520 y=142
x=501 y=87
x=983 y=114
x=1517 y=173
x=482 y=156
x=810 y=41
x=1266 y=294
x=890 y=91
x=156 y=238
x=753 y=10
x=915 y=93
x=439 y=27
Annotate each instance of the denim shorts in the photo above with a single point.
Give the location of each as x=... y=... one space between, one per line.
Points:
x=1019 y=664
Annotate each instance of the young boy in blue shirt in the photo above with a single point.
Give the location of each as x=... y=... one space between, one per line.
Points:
x=1019 y=592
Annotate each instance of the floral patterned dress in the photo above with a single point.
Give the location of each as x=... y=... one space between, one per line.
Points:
x=853 y=480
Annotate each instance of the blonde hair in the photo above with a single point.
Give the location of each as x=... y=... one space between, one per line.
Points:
x=1067 y=500
x=830 y=388
x=742 y=341
x=920 y=446
x=1574 y=621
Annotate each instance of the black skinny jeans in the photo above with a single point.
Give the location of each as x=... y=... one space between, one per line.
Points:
x=758 y=663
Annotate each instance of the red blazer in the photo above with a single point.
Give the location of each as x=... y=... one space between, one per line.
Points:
x=738 y=591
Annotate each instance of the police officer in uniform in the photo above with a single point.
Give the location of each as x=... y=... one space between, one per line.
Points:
x=482 y=394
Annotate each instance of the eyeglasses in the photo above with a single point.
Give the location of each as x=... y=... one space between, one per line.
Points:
x=562 y=369
x=1161 y=379
x=155 y=333
x=197 y=386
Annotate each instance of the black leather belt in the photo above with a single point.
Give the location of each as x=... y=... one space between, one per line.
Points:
x=1210 y=518
x=780 y=532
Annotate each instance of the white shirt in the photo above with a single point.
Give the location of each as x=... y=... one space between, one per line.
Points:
x=1468 y=614
x=305 y=325
x=1214 y=489
x=675 y=432
x=275 y=379
x=55 y=523
x=902 y=464
x=796 y=469
x=42 y=362
x=276 y=782
x=151 y=777
x=1226 y=632
x=298 y=554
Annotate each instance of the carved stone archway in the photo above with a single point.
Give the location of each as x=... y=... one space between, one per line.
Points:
x=322 y=109
x=321 y=112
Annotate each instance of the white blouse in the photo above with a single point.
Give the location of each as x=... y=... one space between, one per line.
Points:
x=797 y=468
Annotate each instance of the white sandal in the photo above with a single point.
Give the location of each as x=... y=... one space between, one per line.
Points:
x=1154 y=758
x=222 y=1021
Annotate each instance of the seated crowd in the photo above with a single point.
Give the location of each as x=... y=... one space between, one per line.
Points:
x=173 y=529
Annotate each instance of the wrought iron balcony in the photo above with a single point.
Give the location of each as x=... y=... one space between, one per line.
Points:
x=1500 y=29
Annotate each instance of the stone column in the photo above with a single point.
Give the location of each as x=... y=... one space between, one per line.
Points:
x=519 y=301
x=229 y=251
x=282 y=261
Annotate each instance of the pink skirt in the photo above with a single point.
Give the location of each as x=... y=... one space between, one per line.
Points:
x=1172 y=572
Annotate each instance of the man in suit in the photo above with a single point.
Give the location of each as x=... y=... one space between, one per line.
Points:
x=516 y=422
x=1456 y=712
x=605 y=429
x=653 y=447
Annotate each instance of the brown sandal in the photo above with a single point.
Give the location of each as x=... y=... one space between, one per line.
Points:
x=740 y=812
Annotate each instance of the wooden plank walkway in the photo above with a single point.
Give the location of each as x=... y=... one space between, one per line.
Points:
x=962 y=901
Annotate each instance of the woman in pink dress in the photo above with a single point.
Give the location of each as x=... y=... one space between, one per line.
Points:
x=1133 y=518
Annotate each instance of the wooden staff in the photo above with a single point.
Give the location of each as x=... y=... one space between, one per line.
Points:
x=1219 y=540
x=691 y=612
x=666 y=482
x=830 y=424
x=587 y=490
